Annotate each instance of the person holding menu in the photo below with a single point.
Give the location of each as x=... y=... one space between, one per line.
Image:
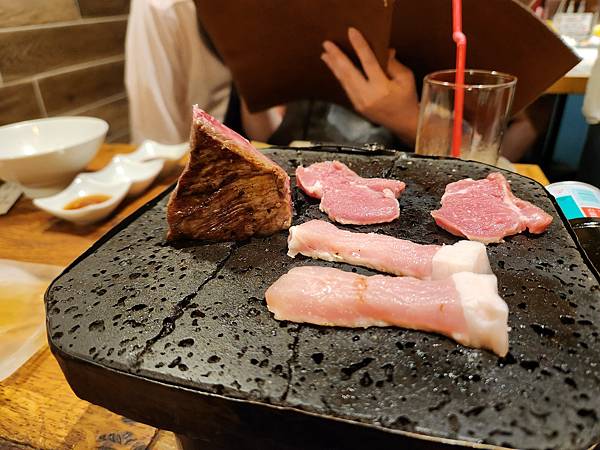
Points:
x=171 y=66
x=272 y=55
x=275 y=53
x=386 y=97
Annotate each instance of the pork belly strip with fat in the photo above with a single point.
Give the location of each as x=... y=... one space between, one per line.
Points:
x=323 y=240
x=349 y=198
x=465 y=306
x=228 y=190
x=486 y=210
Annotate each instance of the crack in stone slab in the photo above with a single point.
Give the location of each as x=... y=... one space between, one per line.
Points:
x=393 y=163
x=169 y=322
x=291 y=361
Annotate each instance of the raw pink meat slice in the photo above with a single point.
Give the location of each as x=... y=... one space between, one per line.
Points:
x=349 y=198
x=465 y=306
x=359 y=205
x=310 y=178
x=486 y=210
x=323 y=240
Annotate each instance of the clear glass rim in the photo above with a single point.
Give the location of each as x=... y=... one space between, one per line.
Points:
x=511 y=79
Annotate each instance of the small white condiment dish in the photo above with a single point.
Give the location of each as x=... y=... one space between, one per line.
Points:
x=150 y=150
x=44 y=155
x=121 y=168
x=79 y=188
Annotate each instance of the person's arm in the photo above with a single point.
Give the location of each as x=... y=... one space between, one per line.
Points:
x=151 y=74
x=519 y=137
x=388 y=98
x=260 y=126
x=168 y=68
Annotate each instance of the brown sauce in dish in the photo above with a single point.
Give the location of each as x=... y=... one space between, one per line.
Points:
x=88 y=200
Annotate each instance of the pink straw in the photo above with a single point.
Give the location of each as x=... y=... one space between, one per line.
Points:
x=459 y=81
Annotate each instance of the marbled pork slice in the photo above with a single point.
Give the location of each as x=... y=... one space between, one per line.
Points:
x=465 y=306
x=487 y=211
x=310 y=179
x=323 y=240
x=228 y=189
x=348 y=198
x=359 y=205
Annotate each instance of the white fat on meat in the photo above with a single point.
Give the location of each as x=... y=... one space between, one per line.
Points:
x=465 y=307
x=322 y=240
x=484 y=310
x=464 y=256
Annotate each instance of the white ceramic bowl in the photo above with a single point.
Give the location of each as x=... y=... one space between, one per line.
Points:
x=79 y=188
x=150 y=150
x=140 y=174
x=44 y=155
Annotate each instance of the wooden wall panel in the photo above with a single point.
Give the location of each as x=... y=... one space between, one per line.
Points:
x=62 y=57
x=31 y=12
x=25 y=53
x=117 y=115
x=75 y=89
x=92 y=8
x=17 y=103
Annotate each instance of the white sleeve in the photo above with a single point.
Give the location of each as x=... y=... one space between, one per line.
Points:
x=591 y=101
x=158 y=70
x=209 y=81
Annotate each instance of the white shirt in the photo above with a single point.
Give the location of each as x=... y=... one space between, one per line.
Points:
x=168 y=69
x=591 y=101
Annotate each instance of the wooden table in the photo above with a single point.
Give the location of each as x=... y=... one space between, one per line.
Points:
x=38 y=410
x=569 y=85
x=575 y=81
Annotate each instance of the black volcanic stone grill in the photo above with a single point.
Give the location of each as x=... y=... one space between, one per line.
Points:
x=179 y=336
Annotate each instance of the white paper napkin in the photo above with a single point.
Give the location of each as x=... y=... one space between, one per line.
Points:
x=591 y=101
x=22 y=313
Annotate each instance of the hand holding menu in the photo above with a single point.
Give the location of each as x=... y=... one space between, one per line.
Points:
x=273 y=47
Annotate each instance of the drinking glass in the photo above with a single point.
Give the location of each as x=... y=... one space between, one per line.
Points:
x=487 y=103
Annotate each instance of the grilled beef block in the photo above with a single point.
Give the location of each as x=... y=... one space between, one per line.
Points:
x=228 y=190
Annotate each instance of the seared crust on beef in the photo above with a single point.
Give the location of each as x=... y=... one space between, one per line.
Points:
x=228 y=190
